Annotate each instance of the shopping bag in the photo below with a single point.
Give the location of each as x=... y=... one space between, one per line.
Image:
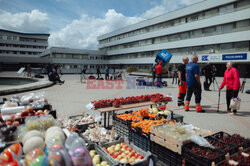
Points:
x=235 y=103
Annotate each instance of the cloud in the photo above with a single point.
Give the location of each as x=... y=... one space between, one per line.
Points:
x=35 y=21
x=82 y=33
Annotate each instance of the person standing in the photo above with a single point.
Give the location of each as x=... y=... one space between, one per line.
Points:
x=193 y=84
x=175 y=74
x=182 y=81
x=83 y=74
x=159 y=74
x=28 y=70
x=98 y=72
x=232 y=81
x=208 y=71
x=153 y=72
x=106 y=73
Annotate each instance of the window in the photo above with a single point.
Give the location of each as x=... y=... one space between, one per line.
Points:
x=209 y=49
x=227 y=28
x=242 y=46
x=174 y=37
x=243 y=4
x=58 y=55
x=226 y=9
x=226 y=47
x=211 y=13
x=164 y=39
x=184 y=35
x=67 y=56
x=242 y=25
x=1 y=37
x=209 y=31
x=196 y=33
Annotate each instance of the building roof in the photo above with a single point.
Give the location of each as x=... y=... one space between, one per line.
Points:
x=22 y=33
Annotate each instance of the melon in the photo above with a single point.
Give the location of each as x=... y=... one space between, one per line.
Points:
x=30 y=134
x=33 y=143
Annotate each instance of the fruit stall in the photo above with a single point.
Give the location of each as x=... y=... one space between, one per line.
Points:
x=138 y=131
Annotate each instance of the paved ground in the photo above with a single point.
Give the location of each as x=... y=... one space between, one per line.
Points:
x=71 y=98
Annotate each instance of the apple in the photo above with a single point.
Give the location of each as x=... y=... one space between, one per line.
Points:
x=140 y=157
x=126 y=152
x=130 y=149
x=124 y=160
x=123 y=149
x=137 y=160
x=117 y=147
x=46 y=112
x=119 y=157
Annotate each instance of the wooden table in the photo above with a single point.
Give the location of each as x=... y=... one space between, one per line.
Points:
x=112 y=110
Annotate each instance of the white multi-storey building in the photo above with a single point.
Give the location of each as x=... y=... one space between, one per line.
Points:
x=217 y=31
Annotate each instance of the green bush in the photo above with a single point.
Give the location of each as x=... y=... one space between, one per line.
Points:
x=131 y=69
x=144 y=71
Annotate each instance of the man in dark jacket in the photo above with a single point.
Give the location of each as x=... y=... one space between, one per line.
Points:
x=154 y=72
x=98 y=72
x=159 y=74
x=208 y=72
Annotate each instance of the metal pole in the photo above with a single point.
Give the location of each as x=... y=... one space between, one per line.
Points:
x=218 y=102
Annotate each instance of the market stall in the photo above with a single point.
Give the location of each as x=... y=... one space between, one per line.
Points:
x=32 y=135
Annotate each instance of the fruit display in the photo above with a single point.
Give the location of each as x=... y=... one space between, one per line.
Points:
x=242 y=159
x=236 y=139
x=204 y=152
x=96 y=159
x=219 y=145
x=146 y=125
x=123 y=153
x=100 y=134
x=71 y=124
x=161 y=110
x=130 y=100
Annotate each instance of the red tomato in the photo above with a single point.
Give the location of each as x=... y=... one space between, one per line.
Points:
x=140 y=157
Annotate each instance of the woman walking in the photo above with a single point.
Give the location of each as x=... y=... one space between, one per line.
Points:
x=232 y=81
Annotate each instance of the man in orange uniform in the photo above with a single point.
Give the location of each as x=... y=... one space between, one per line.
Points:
x=159 y=74
x=182 y=81
x=193 y=84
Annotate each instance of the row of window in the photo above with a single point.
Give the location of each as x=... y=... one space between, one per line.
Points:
x=22 y=46
x=19 y=52
x=207 y=49
x=17 y=38
x=209 y=31
x=243 y=4
x=76 y=56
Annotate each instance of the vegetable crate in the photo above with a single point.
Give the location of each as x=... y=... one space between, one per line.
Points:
x=201 y=156
x=165 y=155
x=139 y=138
x=121 y=127
x=104 y=157
x=227 y=148
x=232 y=139
x=148 y=157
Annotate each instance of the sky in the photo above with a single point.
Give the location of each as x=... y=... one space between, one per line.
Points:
x=77 y=23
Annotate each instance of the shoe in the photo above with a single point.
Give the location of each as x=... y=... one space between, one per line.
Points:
x=187 y=110
x=202 y=111
x=228 y=111
x=179 y=105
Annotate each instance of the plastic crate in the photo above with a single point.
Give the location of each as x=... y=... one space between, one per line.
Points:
x=222 y=136
x=148 y=157
x=228 y=148
x=121 y=127
x=139 y=138
x=166 y=156
x=104 y=157
x=194 y=159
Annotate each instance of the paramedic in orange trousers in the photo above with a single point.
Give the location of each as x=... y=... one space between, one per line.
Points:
x=193 y=84
x=182 y=81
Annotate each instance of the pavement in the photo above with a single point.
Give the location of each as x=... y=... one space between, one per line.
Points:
x=72 y=97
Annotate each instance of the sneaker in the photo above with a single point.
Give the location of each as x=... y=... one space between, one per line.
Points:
x=228 y=111
x=187 y=110
x=202 y=111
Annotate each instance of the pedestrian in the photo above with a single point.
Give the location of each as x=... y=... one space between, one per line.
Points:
x=98 y=72
x=55 y=77
x=83 y=74
x=159 y=74
x=28 y=70
x=182 y=81
x=208 y=71
x=193 y=84
x=170 y=71
x=232 y=81
x=153 y=72
x=106 y=73
x=174 y=74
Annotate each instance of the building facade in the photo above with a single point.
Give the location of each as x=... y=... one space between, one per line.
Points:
x=21 y=48
x=74 y=60
x=217 y=31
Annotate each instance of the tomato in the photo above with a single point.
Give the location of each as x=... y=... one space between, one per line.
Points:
x=140 y=157
x=130 y=149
